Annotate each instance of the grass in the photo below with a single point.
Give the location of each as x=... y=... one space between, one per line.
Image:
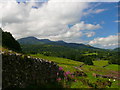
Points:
x=104 y=62
x=68 y=65
x=100 y=63
x=0 y=46
x=113 y=67
x=90 y=54
x=78 y=84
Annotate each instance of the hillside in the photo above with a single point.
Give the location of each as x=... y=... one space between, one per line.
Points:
x=9 y=42
x=100 y=75
x=36 y=67
x=117 y=49
x=74 y=51
x=35 y=41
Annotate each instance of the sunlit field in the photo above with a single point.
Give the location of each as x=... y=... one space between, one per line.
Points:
x=97 y=68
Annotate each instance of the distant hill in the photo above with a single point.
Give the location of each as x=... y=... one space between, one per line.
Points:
x=73 y=51
x=9 y=42
x=29 y=40
x=35 y=41
x=117 y=49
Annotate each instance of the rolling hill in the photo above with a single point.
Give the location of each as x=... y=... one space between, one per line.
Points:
x=34 y=41
x=74 y=51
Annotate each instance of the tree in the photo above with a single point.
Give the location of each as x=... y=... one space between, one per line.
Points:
x=114 y=59
x=88 y=60
x=9 y=42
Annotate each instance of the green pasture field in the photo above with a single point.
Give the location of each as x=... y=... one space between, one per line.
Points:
x=97 y=68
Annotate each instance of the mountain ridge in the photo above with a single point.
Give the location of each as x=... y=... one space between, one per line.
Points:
x=35 y=41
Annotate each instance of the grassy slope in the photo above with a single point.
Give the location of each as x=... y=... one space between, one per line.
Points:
x=109 y=67
x=69 y=65
x=100 y=63
x=113 y=67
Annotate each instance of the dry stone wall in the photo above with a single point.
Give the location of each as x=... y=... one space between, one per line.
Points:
x=21 y=71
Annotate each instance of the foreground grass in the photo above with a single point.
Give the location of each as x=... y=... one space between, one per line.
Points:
x=69 y=65
x=97 y=68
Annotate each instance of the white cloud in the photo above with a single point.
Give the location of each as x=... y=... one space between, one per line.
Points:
x=52 y=17
x=83 y=26
x=99 y=10
x=94 y=11
x=75 y=32
x=105 y=42
x=117 y=21
x=49 y=21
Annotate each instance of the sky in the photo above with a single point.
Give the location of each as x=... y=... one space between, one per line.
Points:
x=94 y=22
